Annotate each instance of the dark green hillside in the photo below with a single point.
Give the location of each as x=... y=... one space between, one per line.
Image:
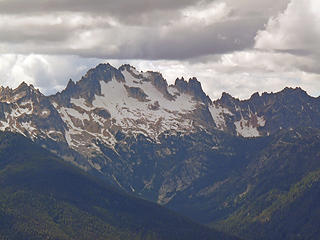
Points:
x=292 y=214
x=281 y=200
x=42 y=197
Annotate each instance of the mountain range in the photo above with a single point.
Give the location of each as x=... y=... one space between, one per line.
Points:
x=232 y=164
x=43 y=197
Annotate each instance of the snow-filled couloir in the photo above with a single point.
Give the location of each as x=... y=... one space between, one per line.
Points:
x=108 y=103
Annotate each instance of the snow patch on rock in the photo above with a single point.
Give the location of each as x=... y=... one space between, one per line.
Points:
x=246 y=128
x=217 y=113
x=80 y=102
x=136 y=116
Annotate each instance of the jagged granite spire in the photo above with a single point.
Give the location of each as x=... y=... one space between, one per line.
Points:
x=193 y=87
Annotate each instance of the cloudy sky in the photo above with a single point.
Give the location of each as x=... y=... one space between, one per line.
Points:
x=236 y=46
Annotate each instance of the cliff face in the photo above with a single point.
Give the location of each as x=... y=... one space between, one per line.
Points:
x=167 y=143
x=88 y=117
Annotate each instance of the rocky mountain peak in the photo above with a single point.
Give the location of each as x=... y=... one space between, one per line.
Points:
x=192 y=87
x=71 y=87
x=256 y=95
x=160 y=84
x=104 y=66
x=132 y=70
x=92 y=116
x=127 y=67
x=294 y=92
x=4 y=93
x=288 y=96
x=103 y=72
x=89 y=85
x=22 y=92
x=23 y=85
x=71 y=84
x=107 y=100
x=227 y=99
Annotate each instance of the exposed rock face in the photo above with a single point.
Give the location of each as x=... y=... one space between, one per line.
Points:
x=27 y=111
x=193 y=87
x=137 y=93
x=172 y=144
x=93 y=111
x=128 y=125
x=89 y=85
x=267 y=114
x=108 y=100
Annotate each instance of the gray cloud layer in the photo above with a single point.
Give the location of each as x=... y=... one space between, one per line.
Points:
x=230 y=45
x=141 y=29
x=121 y=7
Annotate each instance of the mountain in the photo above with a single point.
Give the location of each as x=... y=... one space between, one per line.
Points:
x=90 y=117
x=281 y=188
x=42 y=197
x=212 y=161
x=267 y=114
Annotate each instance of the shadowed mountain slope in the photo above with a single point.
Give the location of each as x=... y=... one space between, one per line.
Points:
x=42 y=197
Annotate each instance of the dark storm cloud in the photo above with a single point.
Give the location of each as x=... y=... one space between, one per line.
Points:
x=120 y=8
x=177 y=43
x=180 y=43
x=141 y=29
x=40 y=34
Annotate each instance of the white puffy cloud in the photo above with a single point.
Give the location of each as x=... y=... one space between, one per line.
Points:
x=240 y=73
x=296 y=30
x=48 y=73
x=205 y=13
